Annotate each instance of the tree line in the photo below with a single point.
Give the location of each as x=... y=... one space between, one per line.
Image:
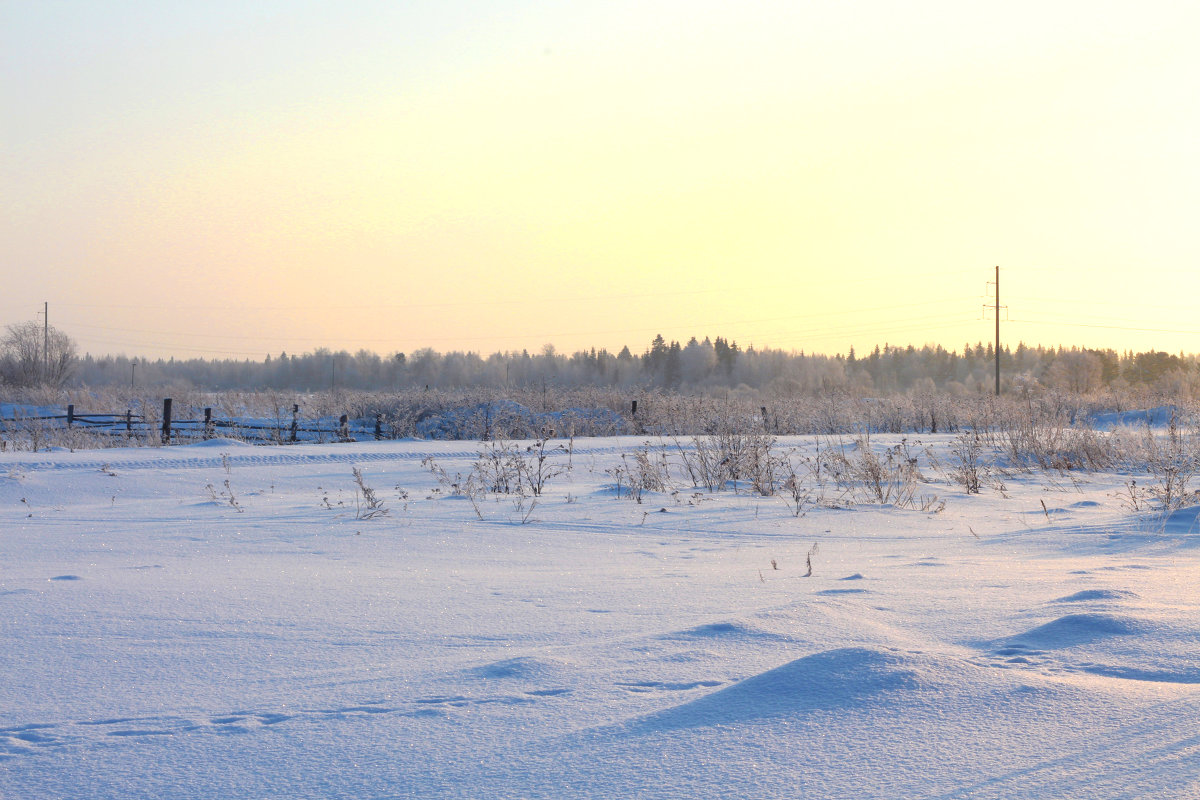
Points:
x=699 y=366
x=31 y=354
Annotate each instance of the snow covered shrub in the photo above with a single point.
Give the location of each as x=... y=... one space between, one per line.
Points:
x=651 y=470
x=646 y=471
x=26 y=433
x=865 y=477
x=1173 y=464
x=735 y=446
x=499 y=419
x=701 y=462
x=625 y=480
x=828 y=415
x=793 y=489
x=890 y=415
x=761 y=463
x=536 y=465
x=1093 y=450
x=868 y=470
x=1050 y=433
x=892 y=479
x=965 y=455
x=498 y=467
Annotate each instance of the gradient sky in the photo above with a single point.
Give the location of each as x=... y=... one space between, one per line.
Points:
x=241 y=178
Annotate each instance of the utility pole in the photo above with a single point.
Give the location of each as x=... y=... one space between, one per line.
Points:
x=997 y=330
x=995 y=308
x=45 y=341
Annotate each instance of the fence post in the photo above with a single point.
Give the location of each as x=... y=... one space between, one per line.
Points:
x=208 y=423
x=344 y=428
x=378 y=426
x=634 y=412
x=166 y=426
x=295 y=419
x=70 y=414
x=129 y=421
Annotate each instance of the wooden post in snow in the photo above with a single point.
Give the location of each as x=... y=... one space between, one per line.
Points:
x=166 y=422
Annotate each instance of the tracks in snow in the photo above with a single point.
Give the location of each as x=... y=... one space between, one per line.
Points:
x=164 y=459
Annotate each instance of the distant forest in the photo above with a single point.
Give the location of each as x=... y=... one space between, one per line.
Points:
x=701 y=366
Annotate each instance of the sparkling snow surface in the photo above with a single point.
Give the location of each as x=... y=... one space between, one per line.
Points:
x=161 y=639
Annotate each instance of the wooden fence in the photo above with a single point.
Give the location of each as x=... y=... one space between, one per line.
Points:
x=170 y=430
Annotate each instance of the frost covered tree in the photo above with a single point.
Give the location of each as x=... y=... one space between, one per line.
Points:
x=699 y=360
x=1076 y=371
x=31 y=354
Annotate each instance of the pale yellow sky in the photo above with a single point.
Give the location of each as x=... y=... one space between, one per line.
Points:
x=233 y=179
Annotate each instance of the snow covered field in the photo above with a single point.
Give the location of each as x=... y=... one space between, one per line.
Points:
x=219 y=620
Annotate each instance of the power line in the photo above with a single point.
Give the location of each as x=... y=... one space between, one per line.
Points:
x=586 y=298
x=811 y=336
x=1057 y=301
x=1108 y=327
x=745 y=329
x=709 y=326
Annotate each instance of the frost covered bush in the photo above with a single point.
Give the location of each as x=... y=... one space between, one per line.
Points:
x=966 y=458
x=511 y=420
x=1173 y=463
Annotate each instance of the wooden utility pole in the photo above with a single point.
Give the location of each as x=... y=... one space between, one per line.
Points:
x=997 y=330
x=995 y=310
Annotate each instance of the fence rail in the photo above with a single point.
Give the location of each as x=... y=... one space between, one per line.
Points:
x=171 y=430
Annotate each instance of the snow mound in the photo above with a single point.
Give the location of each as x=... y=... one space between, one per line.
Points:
x=834 y=679
x=1076 y=629
x=723 y=631
x=1155 y=417
x=1182 y=675
x=1182 y=520
x=526 y=669
x=1097 y=594
x=718 y=629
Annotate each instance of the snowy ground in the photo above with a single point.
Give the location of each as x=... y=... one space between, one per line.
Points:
x=161 y=639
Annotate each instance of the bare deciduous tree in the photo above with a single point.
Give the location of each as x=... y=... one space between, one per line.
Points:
x=30 y=355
